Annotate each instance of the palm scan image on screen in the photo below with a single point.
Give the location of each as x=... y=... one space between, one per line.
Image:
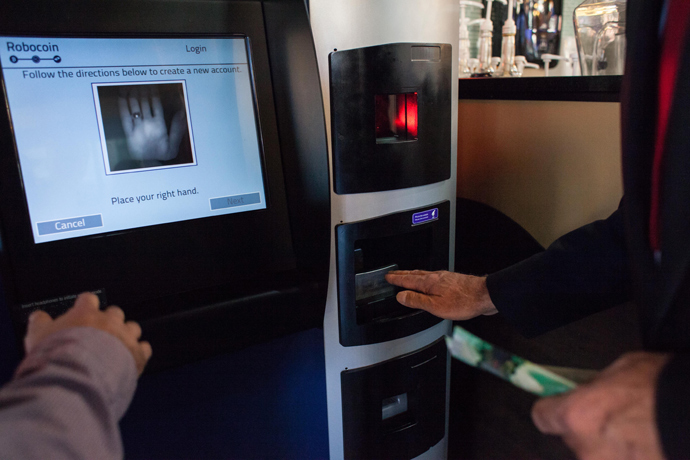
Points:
x=115 y=134
x=143 y=126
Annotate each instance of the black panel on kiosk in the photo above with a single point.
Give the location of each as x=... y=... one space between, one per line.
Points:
x=404 y=401
x=390 y=112
x=166 y=155
x=366 y=251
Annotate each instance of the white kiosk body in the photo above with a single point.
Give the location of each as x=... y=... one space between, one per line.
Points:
x=389 y=82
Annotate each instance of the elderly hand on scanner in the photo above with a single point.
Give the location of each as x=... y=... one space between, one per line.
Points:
x=85 y=313
x=612 y=417
x=444 y=294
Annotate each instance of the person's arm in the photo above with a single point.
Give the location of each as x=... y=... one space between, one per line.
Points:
x=583 y=272
x=580 y=273
x=73 y=386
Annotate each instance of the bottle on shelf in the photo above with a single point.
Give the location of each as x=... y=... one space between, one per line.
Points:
x=464 y=58
x=600 y=34
x=507 y=67
x=486 y=30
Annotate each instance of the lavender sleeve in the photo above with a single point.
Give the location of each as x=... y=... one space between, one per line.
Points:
x=67 y=398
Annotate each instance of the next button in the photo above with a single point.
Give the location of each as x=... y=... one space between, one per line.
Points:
x=68 y=225
x=236 y=200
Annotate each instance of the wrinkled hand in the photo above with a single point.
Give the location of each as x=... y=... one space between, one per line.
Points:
x=85 y=312
x=613 y=417
x=144 y=126
x=444 y=294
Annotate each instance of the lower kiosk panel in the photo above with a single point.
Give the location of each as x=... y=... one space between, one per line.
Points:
x=396 y=409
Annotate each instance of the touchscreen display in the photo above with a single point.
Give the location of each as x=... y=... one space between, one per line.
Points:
x=115 y=134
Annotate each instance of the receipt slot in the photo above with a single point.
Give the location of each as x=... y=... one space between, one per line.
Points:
x=366 y=251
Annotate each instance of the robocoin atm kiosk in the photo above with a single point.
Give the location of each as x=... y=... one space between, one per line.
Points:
x=390 y=91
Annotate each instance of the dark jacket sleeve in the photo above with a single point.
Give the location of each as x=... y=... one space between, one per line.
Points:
x=67 y=398
x=581 y=273
x=672 y=403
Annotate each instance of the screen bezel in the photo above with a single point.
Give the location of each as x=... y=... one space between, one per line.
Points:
x=265 y=234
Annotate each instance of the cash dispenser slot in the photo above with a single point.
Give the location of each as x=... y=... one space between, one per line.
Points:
x=395 y=409
x=367 y=250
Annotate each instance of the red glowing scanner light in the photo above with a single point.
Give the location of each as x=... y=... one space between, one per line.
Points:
x=396 y=117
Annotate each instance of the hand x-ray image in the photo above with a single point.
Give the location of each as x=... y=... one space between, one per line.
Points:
x=144 y=126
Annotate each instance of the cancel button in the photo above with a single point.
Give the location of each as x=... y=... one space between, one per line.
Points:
x=69 y=225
